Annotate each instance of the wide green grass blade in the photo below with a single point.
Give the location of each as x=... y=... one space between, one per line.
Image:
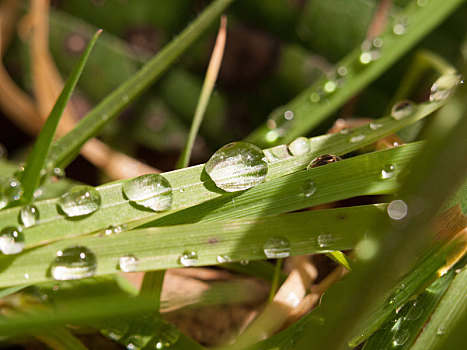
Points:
x=66 y=148
x=405 y=326
x=348 y=178
x=31 y=176
x=451 y=310
x=161 y=248
x=308 y=114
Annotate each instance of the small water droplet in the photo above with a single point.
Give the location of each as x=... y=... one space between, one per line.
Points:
x=397 y=209
x=11 y=240
x=188 y=258
x=134 y=342
x=323 y=160
x=388 y=171
x=114 y=229
x=81 y=200
x=371 y=50
x=441 y=330
x=375 y=125
x=277 y=248
x=325 y=239
x=237 y=166
x=444 y=87
x=330 y=86
x=58 y=173
x=12 y=190
x=3 y=201
x=315 y=96
x=244 y=262
x=308 y=188
x=222 y=259
x=128 y=263
x=73 y=263
x=288 y=115
x=29 y=215
x=342 y=71
x=400 y=337
x=415 y=311
x=115 y=331
x=300 y=146
x=276 y=153
x=151 y=191
x=168 y=336
x=402 y=109
x=356 y=137
x=400 y=25
x=26 y=276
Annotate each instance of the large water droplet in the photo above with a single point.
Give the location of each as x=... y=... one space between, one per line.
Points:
x=168 y=336
x=151 y=191
x=276 y=153
x=323 y=160
x=400 y=337
x=74 y=263
x=300 y=146
x=276 y=248
x=415 y=311
x=444 y=87
x=128 y=263
x=388 y=171
x=11 y=190
x=29 y=215
x=188 y=258
x=81 y=200
x=371 y=50
x=237 y=166
x=325 y=239
x=397 y=209
x=308 y=188
x=402 y=109
x=11 y=240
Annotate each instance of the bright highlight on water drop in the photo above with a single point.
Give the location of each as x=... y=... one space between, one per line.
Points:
x=237 y=167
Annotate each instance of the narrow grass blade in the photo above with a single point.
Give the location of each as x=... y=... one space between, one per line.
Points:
x=206 y=91
x=64 y=150
x=314 y=104
x=36 y=161
x=339 y=258
x=162 y=248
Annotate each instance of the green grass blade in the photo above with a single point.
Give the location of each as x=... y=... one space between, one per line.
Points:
x=161 y=248
x=36 y=161
x=67 y=147
x=451 y=310
x=59 y=338
x=405 y=326
x=307 y=114
x=339 y=258
x=345 y=179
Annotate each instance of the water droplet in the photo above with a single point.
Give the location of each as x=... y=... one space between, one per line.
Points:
x=400 y=337
x=3 y=201
x=221 y=259
x=168 y=336
x=397 y=209
x=276 y=248
x=11 y=240
x=441 y=330
x=300 y=146
x=400 y=25
x=325 y=239
x=308 y=188
x=134 y=342
x=237 y=166
x=244 y=262
x=12 y=190
x=81 y=200
x=375 y=125
x=388 y=171
x=288 y=115
x=128 y=263
x=444 y=87
x=323 y=160
x=188 y=258
x=272 y=135
x=26 y=276
x=415 y=311
x=402 y=109
x=74 y=263
x=115 y=331
x=58 y=173
x=330 y=86
x=315 y=96
x=371 y=50
x=29 y=215
x=151 y=191
x=356 y=137
x=114 y=229
x=342 y=71
x=277 y=153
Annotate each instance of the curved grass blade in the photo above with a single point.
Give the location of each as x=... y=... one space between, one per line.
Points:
x=36 y=161
x=65 y=149
x=345 y=179
x=161 y=248
x=307 y=113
